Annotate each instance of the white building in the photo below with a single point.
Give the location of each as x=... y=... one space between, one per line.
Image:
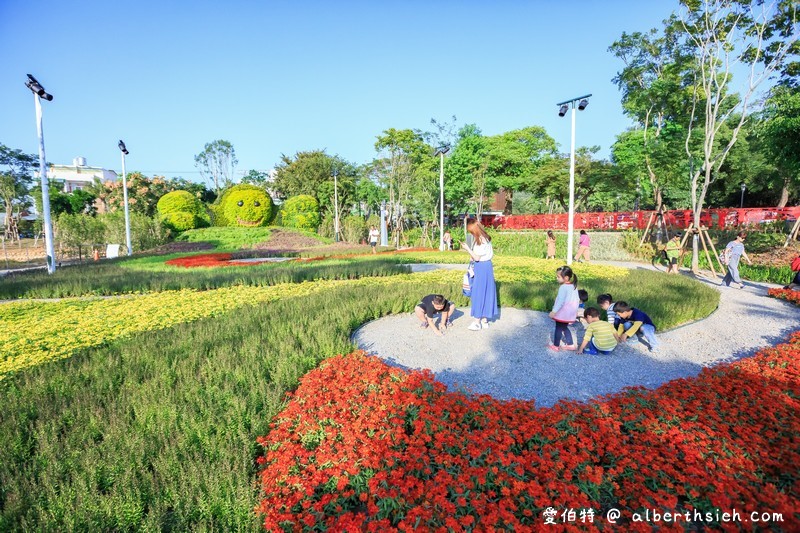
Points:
x=78 y=175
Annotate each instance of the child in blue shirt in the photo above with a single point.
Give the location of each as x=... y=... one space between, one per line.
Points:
x=631 y=321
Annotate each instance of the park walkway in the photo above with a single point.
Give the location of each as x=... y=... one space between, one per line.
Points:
x=511 y=359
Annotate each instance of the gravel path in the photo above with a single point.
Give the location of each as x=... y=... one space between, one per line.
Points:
x=511 y=359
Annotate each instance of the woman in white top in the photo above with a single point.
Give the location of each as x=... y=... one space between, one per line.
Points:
x=484 y=290
x=373 y=237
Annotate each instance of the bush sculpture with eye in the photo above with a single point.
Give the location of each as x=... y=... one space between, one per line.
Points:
x=181 y=210
x=244 y=205
x=301 y=212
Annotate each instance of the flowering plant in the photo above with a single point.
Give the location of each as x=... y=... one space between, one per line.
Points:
x=785 y=294
x=362 y=446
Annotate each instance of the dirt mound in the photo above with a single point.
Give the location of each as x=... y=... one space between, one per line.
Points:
x=287 y=241
x=776 y=257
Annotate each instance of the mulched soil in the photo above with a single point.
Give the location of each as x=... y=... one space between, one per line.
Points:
x=777 y=256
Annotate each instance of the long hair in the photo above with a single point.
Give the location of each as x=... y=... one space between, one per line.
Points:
x=477 y=231
x=550 y=234
x=566 y=272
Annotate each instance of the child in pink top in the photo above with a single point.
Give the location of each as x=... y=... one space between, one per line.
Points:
x=583 y=247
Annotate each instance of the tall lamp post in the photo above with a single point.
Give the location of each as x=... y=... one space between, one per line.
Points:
x=741 y=201
x=440 y=152
x=562 y=110
x=125 y=198
x=38 y=93
x=335 y=205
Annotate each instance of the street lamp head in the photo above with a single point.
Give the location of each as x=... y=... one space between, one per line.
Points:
x=744 y=187
x=36 y=87
x=563 y=110
x=442 y=150
x=582 y=104
x=122 y=148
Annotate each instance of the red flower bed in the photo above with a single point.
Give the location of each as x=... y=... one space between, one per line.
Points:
x=205 y=260
x=364 y=446
x=786 y=294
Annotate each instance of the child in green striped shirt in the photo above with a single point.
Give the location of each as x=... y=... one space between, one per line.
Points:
x=599 y=336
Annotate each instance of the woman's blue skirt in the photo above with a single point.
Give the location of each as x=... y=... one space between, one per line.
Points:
x=484 y=291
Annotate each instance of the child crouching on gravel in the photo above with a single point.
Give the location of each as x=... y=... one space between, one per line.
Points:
x=599 y=336
x=606 y=303
x=631 y=321
x=430 y=306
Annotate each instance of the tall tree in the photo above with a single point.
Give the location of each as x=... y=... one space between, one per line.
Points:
x=778 y=133
x=592 y=177
x=514 y=156
x=724 y=34
x=16 y=177
x=311 y=173
x=217 y=163
x=406 y=159
x=654 y=94
x=465 y=171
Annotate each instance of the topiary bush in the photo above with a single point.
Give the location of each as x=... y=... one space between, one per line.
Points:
x=181 y=211
x=244 y=205
x=301 y=212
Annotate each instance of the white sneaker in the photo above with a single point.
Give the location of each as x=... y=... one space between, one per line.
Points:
x=485 y=325
x=475 y=326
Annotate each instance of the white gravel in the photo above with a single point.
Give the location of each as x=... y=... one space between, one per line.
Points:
x=511 y=359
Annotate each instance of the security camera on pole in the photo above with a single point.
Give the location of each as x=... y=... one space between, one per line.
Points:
x=39 y=92
x=125 y=198
x=440 y=152
x=564 y=106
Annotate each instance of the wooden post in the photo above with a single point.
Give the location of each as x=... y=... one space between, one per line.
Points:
x=647 y=229
x=722 y=268
x=703 y=236
x=793 y=234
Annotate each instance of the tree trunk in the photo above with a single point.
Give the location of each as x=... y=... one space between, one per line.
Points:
x=784 y=194
x=509 y=201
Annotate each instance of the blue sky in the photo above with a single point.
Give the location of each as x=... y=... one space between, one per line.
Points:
x=282 y=77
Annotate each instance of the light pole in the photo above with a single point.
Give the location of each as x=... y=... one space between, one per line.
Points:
x=440 y=152
x=741 y=202
x=564 y=106
x=125 y=198
x=335 y=205
x=38 y=93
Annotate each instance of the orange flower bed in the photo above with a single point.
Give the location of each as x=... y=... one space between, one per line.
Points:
x=362 y=446
x=785 y=294
x=204 y=260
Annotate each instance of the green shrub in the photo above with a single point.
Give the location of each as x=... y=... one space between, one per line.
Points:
x=354 y=229
x=181 y=211
x=244 y=205
x=300 y=212
x=146 y=232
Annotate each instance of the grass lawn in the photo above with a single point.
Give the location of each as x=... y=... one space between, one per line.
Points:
x=156 y=429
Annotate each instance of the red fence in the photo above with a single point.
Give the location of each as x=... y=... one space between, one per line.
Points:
x=711 y=218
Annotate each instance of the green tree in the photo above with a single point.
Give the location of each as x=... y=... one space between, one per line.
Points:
x=16 y=176
x=465 y=171
x=311 y=173
x=513 y=158
x=79 y=231
x=217 y=163
x=725 y=34
x=143 y=193
x=778 y=134
x=593 y=179
x=656 y=96
x=406 y=166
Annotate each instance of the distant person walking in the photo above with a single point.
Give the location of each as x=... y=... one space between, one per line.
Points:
x=551 y=244
x=484 y=290
x=734 y=251
x=448 y=240
x=373 y=237
x=583 y=246
x=673 y=251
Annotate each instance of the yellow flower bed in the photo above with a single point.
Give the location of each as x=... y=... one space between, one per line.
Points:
x=35 y=332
